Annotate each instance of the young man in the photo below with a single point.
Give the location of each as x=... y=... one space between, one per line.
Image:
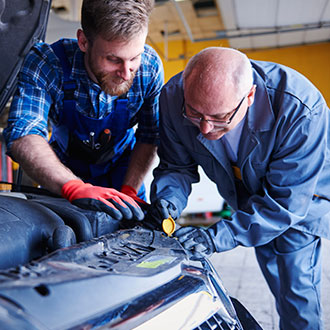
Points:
x=93 y=90
x=261 y=132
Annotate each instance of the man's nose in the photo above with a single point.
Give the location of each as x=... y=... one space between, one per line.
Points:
x=125 y=71
x=205 y=127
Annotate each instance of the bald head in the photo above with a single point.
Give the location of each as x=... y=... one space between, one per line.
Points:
x=219 y=70
x=218 y=87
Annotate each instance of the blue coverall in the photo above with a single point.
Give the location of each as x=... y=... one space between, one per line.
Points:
x=281 y=192
x=71 y=138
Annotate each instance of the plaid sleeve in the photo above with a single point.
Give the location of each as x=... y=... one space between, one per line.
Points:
x=32 y=100
x=152 y=82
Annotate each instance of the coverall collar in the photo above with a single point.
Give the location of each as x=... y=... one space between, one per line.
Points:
x=259 y=118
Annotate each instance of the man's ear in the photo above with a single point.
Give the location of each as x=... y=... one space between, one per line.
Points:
x=82 y=40
x=251 y=95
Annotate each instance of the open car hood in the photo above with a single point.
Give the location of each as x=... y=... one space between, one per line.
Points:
x=22 y=24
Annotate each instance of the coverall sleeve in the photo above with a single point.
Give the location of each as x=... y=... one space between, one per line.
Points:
x=177 y=170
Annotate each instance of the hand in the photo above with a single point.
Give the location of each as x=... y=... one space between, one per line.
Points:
x=131 y=192
x=196 y=241
x=108 y=200
x=159 y=211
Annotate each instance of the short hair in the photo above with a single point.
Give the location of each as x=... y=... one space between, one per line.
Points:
x=115 y=19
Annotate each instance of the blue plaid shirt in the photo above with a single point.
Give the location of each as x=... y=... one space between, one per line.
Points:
x=39 y=95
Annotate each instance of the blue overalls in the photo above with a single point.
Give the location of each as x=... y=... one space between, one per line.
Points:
x=84 y=144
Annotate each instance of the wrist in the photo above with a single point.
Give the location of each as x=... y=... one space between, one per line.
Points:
x=68 y=188
x=128 y=190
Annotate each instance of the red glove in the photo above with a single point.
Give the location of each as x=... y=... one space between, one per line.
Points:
x=131 y=192
x=108 y=200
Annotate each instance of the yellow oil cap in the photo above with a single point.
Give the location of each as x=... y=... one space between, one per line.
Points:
x=168 y=226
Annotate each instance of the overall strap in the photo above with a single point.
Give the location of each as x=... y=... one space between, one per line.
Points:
x=69 y=85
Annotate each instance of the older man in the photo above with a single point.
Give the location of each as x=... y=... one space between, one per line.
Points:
x=92 y=90
x=261 y=132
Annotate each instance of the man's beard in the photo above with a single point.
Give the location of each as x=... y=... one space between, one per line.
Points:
x=109 y=83
x=114 y=86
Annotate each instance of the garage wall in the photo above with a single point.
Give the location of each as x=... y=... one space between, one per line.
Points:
x=311 y=60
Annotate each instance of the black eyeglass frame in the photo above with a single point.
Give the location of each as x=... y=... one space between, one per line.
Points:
x=212 y=121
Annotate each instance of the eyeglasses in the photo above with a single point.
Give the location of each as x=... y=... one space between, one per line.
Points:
x=216 y=123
